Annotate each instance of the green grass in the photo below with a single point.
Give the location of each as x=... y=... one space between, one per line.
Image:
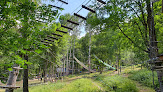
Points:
x=144 y=77
x=117 y=83
x=50 y=87
x=80 y=85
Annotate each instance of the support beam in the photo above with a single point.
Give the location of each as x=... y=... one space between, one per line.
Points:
x=63 y=1
x=57 y=34
x=52 y=37
x=89 y=9
x=55 y=6
x=66 y=27
x=49 y=40
x=72 y=22
x=45 y=42
x=101 y=1
x=75 y=14
x=162 y=6
x=61 y=31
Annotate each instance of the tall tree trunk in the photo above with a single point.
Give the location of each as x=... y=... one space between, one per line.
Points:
x=152 y=37
x=67 y=64
x=73 y=56
x=45 y=73
x=89 y=57
x=25 y=77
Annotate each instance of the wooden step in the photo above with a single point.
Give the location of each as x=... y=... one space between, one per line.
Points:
x=75 y=14
x=63 y=1
x=66 y=27
x=61 y=31
x=89 y=9
x=101 y=1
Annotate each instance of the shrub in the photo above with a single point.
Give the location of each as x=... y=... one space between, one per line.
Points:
x=80 y=85
x=145 y=77
x=119 y=84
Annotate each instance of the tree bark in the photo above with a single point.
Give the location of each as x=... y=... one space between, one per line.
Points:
x=25 y=76
x=12 y=79
x=153 y=41
x=89 y=57
x=67 y=65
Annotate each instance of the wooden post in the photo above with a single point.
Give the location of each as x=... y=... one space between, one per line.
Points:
x=162 y=6
x=11 y=83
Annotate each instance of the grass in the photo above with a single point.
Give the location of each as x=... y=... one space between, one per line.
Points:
x=145 y=77
x=50 y=87
x=80 y=85
x=118 y=84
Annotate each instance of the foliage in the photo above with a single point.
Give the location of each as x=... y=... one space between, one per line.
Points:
x=51 y=87
x=117 y=83
x=81 y=85
x=145 y=77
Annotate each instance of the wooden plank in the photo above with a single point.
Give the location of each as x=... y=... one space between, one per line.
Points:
x=72 y=22
x=61 y=31
x=10 y=86
x=55 y=6
x=52 y=37
x=66 y=27
x=57 y=34
x=89 y=9
x=101 y=1
x=49 y=40
x=75 y=14
x=63 y=1
x=18 y=68
x=157 y=67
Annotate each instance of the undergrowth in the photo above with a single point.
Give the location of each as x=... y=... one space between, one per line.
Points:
x=80 y=85
x=117 y=83
x=145 y=77
x=51 y=87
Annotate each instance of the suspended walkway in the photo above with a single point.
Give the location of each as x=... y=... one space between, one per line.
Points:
x=83 y=65
x=104 y=63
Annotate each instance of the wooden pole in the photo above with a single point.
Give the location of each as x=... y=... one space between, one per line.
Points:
x=162 y=6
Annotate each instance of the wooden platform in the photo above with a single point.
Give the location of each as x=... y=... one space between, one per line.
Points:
x=10 y=86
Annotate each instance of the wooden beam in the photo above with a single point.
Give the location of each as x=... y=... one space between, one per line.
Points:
x=49 y=40
x=52 y=37
x=66 y=27
x=75 y=14
x=101 y=1
x=61 y=31
x=55 y=6
x=72 y=22
x=162 y=6
x=89 y=9
x=63 y=1
x=57 y=34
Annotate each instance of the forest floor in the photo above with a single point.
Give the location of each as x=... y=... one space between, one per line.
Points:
x=69 y=79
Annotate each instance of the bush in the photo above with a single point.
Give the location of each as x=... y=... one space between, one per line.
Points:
x=145 y=77
x=80 y=85
x=119 y=84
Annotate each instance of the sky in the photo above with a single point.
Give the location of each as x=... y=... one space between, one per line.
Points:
x=73 y=6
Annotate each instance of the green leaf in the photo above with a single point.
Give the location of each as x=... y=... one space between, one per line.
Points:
x=38 y=51
x=10 y=69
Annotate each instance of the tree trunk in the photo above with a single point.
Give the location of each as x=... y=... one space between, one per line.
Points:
x=89 y=57
x=153 y=41
x=67 y=65
x=45 y=73
x=12 y=79
x=25 y=77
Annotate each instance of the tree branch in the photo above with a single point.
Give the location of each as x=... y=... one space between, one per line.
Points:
x=131 y=40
